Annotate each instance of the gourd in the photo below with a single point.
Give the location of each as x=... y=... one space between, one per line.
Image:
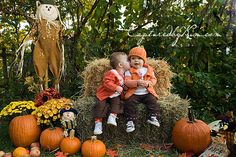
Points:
x=71 y=144
x=23 y=130
x=93 y=148
x=51 y=138
x=191 y=135
x=35 y=152
x=20 y=152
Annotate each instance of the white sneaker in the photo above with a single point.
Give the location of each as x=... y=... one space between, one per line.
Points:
x=112 y=119
x=130 y=126
x=153 y=120
x=98 y=128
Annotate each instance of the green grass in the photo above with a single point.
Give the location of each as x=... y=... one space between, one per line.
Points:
x=5 y=143
x=132 y=150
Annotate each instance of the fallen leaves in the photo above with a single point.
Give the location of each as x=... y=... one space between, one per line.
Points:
x=188 y=154
x=158 y=147
x=147 y=147
x=60 y=154
x=111 y=153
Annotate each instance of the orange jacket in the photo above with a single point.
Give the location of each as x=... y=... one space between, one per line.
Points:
x=132 y=81
x=109 y=85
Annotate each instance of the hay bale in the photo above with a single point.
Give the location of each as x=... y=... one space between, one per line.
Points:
x=171 y=106
x=164 y=76
x=93 y=74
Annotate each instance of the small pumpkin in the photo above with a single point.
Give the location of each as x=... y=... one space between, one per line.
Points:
x=23 y=130
x=2 y=153
x=71 y=144
x=35 y=144
x=51 y=138
x=93 y=148
x=191 y=135
x=20 y=152
x=9 y=154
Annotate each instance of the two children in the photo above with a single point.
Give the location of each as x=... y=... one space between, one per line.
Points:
x=139 y=78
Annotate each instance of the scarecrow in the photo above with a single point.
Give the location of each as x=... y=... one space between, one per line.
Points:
x=69 y=119
x=48 y=51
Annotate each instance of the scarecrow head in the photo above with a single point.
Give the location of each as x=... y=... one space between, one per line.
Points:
x=68 y=113
x=47 y=10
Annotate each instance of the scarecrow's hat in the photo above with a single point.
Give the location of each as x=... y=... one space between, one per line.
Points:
x=68 y=109
x=48 y=2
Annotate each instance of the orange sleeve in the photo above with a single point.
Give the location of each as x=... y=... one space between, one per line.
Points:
x=130 y=83
x=109 y=81
x=153 y=80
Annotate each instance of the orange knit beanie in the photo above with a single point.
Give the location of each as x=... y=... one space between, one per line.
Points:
x=140 y=52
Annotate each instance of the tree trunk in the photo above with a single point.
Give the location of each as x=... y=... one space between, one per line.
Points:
x=234 y=39
x=4 y=65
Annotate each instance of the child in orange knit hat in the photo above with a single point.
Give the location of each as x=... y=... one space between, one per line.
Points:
x=110 y=91
x=140 y=80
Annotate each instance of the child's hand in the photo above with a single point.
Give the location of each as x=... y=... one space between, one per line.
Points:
x=143 y=83
x=119 y=89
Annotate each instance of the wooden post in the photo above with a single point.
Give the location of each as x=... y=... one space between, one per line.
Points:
x=46 y=80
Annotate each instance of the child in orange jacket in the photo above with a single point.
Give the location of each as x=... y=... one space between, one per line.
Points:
x=140 y=80
x=110 y=91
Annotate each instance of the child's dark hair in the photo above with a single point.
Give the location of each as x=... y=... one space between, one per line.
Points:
x=114 y=58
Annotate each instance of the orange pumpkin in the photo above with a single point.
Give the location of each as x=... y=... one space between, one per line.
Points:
x=70 y=145
x=23 y=130
x=51 y=138
x=20 y=152
x=191 y=135
x=93 y=148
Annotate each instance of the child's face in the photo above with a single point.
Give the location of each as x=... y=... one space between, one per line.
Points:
x=124 y=62
x=136 y=62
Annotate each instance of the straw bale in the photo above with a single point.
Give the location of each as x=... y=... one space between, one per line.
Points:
x=164 y=76
x=93 y=73
x=172 y=106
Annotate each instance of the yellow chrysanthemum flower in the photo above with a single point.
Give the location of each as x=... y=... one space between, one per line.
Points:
x=49 y=111
x=17 y=107
x=55 y=111
x=51 y=114
x=54 y=118
x=39 y=114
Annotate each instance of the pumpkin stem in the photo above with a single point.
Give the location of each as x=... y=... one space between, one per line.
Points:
x=24 y=112
x=191 y=115
x=72 y=133
x=93 y=138
x=51 y=126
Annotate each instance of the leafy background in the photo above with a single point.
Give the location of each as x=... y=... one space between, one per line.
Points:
x=204 y=66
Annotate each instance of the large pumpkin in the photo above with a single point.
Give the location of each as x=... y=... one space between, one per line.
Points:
x=23 y=130
x=51 y=138
x=71 y=144
x=93 y=148
x=191 y=135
